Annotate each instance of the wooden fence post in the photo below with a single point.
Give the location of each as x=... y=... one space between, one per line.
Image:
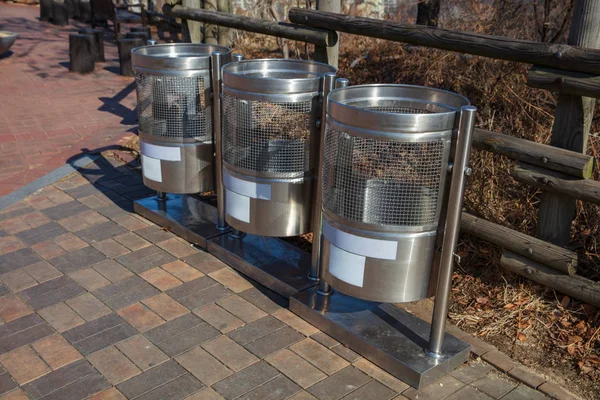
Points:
x=194 y=28
x=571 y=128
x=332 y=52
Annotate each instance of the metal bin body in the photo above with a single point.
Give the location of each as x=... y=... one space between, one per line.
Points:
x=385 y=164
x=174 y=112
x=270 y=144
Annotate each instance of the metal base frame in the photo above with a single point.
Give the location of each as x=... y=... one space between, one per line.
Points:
x=388 y=336
x=273 y=263
x=185 y=216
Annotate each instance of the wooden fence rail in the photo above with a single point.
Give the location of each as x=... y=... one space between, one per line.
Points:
x=564 y=82
x=559 y=56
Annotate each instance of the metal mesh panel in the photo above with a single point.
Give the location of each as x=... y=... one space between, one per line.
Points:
x=174 y=107
x=381 y=182
x=265 y=136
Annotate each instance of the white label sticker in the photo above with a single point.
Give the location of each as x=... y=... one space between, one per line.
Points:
x=255 y=190
x=237 y=206
x=151 y=168
x=346 y=266
x=166 y=153
x=374 y=248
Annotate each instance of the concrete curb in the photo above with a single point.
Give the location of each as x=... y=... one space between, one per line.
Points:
x=45 y=180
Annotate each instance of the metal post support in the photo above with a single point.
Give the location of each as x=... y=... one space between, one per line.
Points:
x=236 y=233
x=161 y=196
x=216 y=123
x=315 y=273
x=151 y=42
x=460 y=171
x=237 y=57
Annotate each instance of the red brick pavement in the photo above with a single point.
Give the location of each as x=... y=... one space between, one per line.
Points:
x=47 y=114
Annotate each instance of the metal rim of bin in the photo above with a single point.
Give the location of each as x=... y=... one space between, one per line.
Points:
x=177 y=59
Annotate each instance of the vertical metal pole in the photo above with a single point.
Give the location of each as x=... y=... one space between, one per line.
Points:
x=151 y=42
x=460 y=171
x=216 y=123
x=237 y=57
x=236 y=233
x=161 y=196
x=315 y=273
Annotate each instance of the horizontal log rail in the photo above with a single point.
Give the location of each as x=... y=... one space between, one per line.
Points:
x=317 y=37
x=166 y=18
x=559 y=56
x=565 y=82
x=552 y=158
x=556 y=257
x=577 y=287
x=552 y=181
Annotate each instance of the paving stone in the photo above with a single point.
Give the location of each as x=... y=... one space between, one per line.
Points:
x=478 y=346
x=16 y=359
x=18 y=259
x=100 y=333
x=523 y=392
x=231 y=280
x=112 y=270
x=438 y=390
x=256 y=330
x=59 y=378
x=151 y=379
x=303 y=395
x=188 y=340
x=276 y=389
x=380 y=375
x=205 y=394
x=64 y=210
x=339 y=384
x=6 y=383
x=173 y=328
x=18 y=394
x=81 y=389
x=3 y=290
x=154 y=234
x=274 y=341
x=43 y=271
x=204 y=262
x=14 y=225
x=11 y=308
x=17 y=280
x=346 y=353
x=219 y=318
x=100 y=232
x=76 y=222
x=93 y=202
x=287 y=317
x=56 y=351
x=51 y=292
x=15 y=213
x=499 y=360
x=111 y=363
x=372 y=391
x=76 y=260
x=468 y=392
x=242 y=309
x=204 y=366
x=230 y=353
x=144 y=259
x=471 y=372
x=140 y=317
x=319 y=356
x=41 y=233
x=494 y=385
x=111 y=248
x=48 y=249
x=110 y=394
x=88 y=306
x=325 y=339
x=83 y=191
x=143 y=353
x=182 y=271
x=296 y=368
x=264 y=299
x=245 y=380
x=70 y=242
x=8 y=244
x=165 y=306
x=125 y=293
x=112 y=211
x=132 y=241
x=23 y=331
x=131 y=223
x=93 y=218
x=160 y=279
x=177 y=389
x=89 y=278
x=556 y=392
x=526 y=376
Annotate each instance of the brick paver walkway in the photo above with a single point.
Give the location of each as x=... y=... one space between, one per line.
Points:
x=47 y=114
x=99 y=302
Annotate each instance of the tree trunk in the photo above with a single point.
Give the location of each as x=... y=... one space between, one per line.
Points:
x=224 y=33
x=571 y=128
x=211 y=32
x=428 y=12
x=194 y=27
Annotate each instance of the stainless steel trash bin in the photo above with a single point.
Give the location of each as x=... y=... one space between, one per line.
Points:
x=174 y=112
x=385 y=164
x=271 y=111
